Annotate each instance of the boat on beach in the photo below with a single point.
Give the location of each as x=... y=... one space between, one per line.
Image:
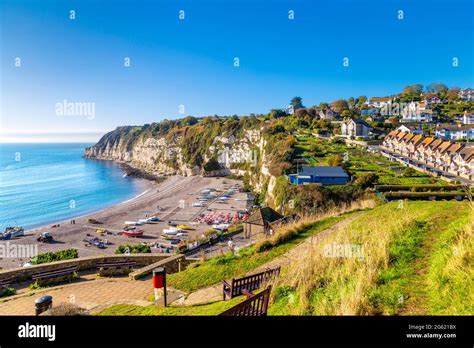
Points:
x=15 y=231
x=133 y=233
x=171 y=230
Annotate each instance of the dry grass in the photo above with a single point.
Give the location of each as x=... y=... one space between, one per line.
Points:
x=290 y=230
x=340 y=285
x=65 y=309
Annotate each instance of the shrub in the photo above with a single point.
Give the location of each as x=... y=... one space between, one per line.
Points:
x=409 y=172
x=55 y=256
x=335 y=160
x=133 y=249
x=7 y=292
x=65 y=309
x=366 y=180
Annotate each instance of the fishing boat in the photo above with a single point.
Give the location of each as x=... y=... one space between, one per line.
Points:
x=6 y=236
x=153 y=219
x=171 y=230
x=220 y=227
x=15 y=231
x=96 y=242
x=168 y=237
x=184 y=227
x=133 y=223
x=133 y=233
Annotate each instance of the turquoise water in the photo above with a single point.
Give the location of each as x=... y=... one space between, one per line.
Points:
x=46 y=183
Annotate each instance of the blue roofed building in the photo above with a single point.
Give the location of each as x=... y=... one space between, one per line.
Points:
x=320 y=175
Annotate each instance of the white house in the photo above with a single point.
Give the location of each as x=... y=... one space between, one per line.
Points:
x=416 y=112
x=468 y=118
x=410 y=129
x=455 y=132
x=466 y=94
x=355 y=128
x=379 y=102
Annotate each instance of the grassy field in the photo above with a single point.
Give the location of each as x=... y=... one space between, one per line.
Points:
x=213 y=308
x=413 y=258
x=317 y=151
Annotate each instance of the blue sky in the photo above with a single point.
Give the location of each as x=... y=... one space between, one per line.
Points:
x=190 y=62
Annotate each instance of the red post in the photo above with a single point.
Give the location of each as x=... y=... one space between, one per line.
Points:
x=159 y=281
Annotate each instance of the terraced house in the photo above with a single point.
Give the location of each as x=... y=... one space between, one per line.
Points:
x=453 y=157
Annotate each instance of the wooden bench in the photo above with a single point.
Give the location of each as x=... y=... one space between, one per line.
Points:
x=253 y=306
x=123 y=266
x=249 y=283
x=5 y=283
x=42 y=276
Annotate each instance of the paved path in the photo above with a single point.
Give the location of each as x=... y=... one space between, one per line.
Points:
x=90 y=294
x=95 y=293
x=214 y=293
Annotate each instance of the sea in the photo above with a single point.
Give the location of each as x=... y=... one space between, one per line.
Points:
x=47 y=183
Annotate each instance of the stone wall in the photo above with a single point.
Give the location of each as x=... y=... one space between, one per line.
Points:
x=83 y=263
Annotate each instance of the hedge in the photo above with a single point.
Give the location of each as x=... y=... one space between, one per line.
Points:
x=55 y=256
x=133 y=249
x=419 y=188
x=424 y=195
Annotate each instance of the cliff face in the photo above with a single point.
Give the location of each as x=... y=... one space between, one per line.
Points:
x=236 y=152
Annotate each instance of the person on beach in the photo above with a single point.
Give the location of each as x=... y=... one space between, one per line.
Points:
x=230 y=243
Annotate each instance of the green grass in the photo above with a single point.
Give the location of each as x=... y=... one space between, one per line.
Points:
x=210 y=272
x=450 y=275
x=212 y=308
x=420 y=274
x=360 y=161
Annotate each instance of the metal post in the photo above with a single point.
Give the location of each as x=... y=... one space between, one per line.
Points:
x=42 y=304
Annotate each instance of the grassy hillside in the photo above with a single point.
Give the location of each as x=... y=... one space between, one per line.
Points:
x=404 y=259
x=415 y=258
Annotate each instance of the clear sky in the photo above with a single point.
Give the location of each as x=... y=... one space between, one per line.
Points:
x=190 y=62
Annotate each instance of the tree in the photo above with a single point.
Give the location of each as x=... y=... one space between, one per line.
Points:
x=361 y=101
x=297 y=103
x=366 y=180
x=351 y=102
x=324 y=106
x=437 y=88
x=335 y=160
x=339 y=105
x=277 y=113
x=412 y=90
x=453 y=93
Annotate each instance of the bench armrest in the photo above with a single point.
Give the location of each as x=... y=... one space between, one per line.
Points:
x=226 y=284
x=247 y=293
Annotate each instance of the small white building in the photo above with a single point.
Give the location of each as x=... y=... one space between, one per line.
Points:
x=411 y=129
x=355 y=128
x=455 y=132
x=379 y=102
x=466 y=94
x=468 y=118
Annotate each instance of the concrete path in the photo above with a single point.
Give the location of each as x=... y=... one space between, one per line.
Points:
x=89 y=294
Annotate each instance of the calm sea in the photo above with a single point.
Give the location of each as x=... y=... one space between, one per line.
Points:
x=46 y=183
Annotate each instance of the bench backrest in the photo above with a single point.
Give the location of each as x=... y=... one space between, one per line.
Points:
x=255 y=306
x=254 y=281
x=54 y=272
x=115 y=263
